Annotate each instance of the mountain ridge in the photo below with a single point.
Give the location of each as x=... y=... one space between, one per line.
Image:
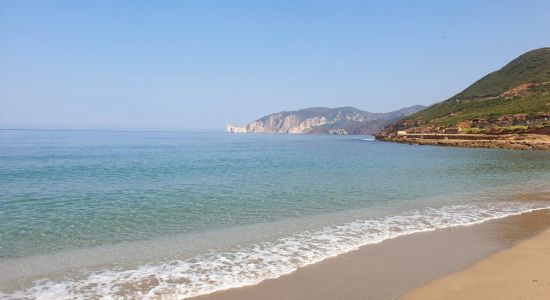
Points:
x=323 y=120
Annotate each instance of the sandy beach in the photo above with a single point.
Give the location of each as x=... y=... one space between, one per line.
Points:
x=521 y=272
x=394 y=267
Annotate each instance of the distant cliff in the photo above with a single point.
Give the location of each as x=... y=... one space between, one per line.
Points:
x=323 y=120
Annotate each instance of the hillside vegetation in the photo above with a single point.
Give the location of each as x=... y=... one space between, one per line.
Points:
x=533 y=66
x=517 y=94
x=452 y=112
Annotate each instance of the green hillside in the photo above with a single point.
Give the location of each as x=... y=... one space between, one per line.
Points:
x=451 y=112
x=520 y=87
x=533 y=66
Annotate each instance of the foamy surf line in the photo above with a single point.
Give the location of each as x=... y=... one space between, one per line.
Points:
x=250 y=265
x=365 y=139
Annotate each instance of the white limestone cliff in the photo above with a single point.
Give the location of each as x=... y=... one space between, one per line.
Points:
x=235 y=129
x=343 y=120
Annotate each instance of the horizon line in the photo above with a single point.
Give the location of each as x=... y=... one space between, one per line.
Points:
x=103 y=130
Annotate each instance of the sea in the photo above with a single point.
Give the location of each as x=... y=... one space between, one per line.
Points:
x=172 y=215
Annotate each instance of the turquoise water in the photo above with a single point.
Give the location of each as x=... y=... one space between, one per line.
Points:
x=115 y=202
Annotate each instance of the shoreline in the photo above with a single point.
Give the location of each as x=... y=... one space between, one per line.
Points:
x=506 y=141
x=389 y=269
x=130 y=282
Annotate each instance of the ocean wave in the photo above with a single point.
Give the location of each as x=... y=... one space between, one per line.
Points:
x=252 y=264
x=365 y=139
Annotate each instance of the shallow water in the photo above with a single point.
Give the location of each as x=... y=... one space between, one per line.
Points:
x=181 y=214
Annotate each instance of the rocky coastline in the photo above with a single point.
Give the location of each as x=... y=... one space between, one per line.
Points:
x=504 y=141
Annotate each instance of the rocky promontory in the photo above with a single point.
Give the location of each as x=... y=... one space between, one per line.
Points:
x=323 y=120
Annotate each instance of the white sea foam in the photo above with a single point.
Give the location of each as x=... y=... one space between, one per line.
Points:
x=251 y=264
x=366 y=139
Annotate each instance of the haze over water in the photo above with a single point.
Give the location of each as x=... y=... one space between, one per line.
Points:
x=204 y=211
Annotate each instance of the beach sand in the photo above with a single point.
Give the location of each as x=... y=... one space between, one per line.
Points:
x=390 y=269
x=521 y=272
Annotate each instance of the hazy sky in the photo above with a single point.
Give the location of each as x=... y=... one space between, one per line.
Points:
x=195 y=65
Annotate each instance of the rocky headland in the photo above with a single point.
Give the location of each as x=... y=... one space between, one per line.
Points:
x=323 y=120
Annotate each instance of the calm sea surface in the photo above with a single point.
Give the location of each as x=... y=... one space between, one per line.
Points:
x=142 y=214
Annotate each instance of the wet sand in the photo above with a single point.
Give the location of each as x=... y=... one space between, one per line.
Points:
x=390 y=269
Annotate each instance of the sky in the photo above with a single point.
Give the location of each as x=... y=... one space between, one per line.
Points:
x=197 y=65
